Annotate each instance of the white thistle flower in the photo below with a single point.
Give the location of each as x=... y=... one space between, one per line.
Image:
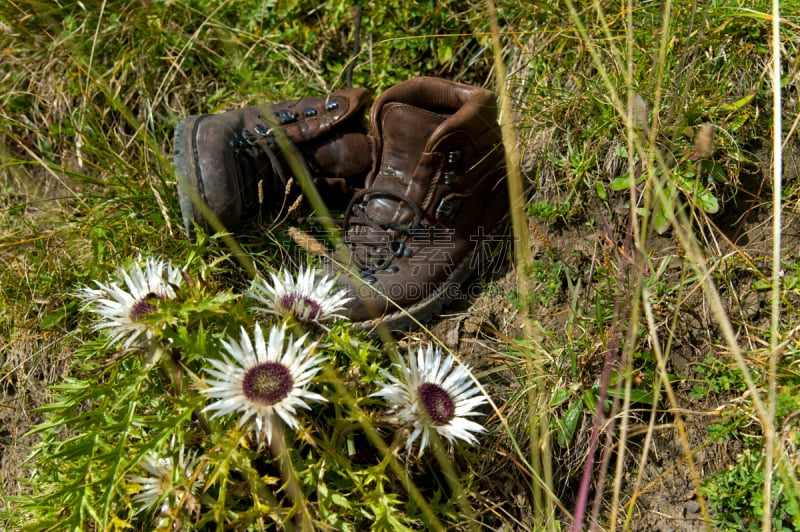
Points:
x=434 y=393
x=168 y=480
x=265 y=381
x=308 y=298
x=122 y=309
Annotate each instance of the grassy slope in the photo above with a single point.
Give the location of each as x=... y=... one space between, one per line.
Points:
x=90 y=96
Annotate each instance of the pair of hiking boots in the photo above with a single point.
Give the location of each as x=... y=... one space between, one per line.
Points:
x=422 y=186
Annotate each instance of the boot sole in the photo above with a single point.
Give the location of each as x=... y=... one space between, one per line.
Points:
x=186 y=173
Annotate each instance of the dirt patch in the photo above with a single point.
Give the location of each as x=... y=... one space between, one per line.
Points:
x=30 y=366
x=668 y=497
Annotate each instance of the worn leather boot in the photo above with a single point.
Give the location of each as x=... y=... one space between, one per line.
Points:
x=422 y=225
x=232 y=163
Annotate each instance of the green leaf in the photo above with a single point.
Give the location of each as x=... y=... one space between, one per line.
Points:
x=660 y=220
x=716 y=172
x=737 y=122
x=636 y=396
x=590 y=400
x=738 y=104
x=445 y=54
x=569 y=423
x=340 y=500
x=56 y=317
x=601 y=190
x=707 y=201
x=762 y=284
x=559 y=397
x=621 y=183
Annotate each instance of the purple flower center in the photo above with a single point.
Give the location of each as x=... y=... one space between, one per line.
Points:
x=437 y=402
x=267 y=383
x=144 y=306
x=304 y=308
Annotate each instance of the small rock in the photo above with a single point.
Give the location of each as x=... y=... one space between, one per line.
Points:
x=691 y=507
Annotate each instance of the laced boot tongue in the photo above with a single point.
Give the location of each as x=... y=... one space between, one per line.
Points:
x=405 y=130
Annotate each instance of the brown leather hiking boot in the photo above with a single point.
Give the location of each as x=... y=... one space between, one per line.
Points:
x=232 y=163
x=421 y=226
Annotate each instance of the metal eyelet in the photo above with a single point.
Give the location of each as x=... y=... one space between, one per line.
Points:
x=285 y=116
x=310 y=112
x=453 y=156
x=446 y=208
x=449 y=178
x=399 y=249
x=368 y=277
x=262 y=130
x=331 y=106
x=249 y=137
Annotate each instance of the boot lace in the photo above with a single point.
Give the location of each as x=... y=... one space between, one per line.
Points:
x=377 y=247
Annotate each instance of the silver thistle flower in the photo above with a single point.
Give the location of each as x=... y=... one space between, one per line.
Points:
x=263 y=381
x=308 y=298
x=168 y=480
x=434 y=393
x=122 y=308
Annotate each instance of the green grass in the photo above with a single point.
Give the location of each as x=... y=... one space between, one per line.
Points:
x=644 y=300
